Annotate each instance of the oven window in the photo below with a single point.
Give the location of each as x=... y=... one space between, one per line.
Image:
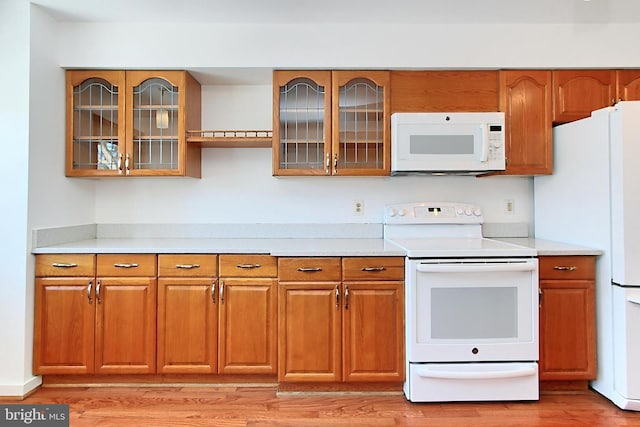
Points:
x=482 y=312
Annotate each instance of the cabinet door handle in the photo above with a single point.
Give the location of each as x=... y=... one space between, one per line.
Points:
x=565 y=267
x=89 y=288
x=117 y=265
x=213 y=292
x=222 y=292
x=64 y=265
x=98 y=286
x=187 y=266
x=248 y=266
x=337 y=297
x=373 y=269
x=327 y=165
x=335 y=163
x=120 y=164
x=309 y=269
x=539 y=298
x=126 y=164
x=346 y=298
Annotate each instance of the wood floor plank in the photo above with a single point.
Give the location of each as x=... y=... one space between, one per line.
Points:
x=262 y=406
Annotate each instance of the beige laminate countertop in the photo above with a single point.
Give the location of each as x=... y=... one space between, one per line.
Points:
x=281 y=247
x=551 y=248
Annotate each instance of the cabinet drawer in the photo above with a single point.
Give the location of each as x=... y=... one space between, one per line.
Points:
x=373 y=268
x=567 y=267
x=126 y=265
x=67 y=265
x=309 y=269
x=187 y=265
x=244 y=265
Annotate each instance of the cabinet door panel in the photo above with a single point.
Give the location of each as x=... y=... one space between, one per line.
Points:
x=247 y=326
x=126 y=325
x=579 y=92
x=309 y=326
x=373 y=331
x=302 y=122
x=64 y=326
x=187 y=325
x=628 y=85
x=360 y=122
x=95 y=122
x=567 y=330
x=525 y=98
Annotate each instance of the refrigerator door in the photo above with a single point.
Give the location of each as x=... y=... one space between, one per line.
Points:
x=625 y=193
x=626 y=312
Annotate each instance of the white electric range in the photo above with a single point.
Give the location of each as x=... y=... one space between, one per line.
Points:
x=471 y=306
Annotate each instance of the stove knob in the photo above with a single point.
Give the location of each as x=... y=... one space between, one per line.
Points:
x=401 y=212
x=459 y=211
x=392 y=212
x=468 y=211
x=477 y=212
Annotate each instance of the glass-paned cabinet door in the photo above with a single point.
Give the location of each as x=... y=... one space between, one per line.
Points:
x=360 y=123
x=95 y=123
x=302 y=123
x=154 y=136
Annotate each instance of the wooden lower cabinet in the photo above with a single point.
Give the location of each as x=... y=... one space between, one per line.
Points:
x=89 y=322
x=187 y=325
x=64 y=325
x=567 y=318
x=341 y=330
x=310 y=333
x=125 y=325
x=247 y=334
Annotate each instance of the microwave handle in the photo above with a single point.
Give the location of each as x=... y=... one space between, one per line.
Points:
x=484 y=153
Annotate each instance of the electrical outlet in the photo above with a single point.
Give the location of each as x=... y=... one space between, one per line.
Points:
x=358 y=207
x=509 y=206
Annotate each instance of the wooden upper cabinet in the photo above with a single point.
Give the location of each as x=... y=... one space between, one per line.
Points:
x=331 y=123
x=525 y=99
x=131 y=123
x=628 y=85
x=429 y=91
x=576 y=93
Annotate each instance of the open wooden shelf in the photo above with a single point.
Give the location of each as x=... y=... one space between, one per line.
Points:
x=230 y=138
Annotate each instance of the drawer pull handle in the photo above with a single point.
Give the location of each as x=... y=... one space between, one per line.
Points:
x=565 y=268
x=374 y=268
x=248 y=266
x=125 y=265
x=187 y=266
x=64 y=265
x=309 y=269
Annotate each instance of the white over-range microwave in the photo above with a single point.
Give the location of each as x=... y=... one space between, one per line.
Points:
x=447 y=143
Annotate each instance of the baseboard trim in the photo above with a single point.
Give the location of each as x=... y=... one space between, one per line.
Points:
x=20 y=391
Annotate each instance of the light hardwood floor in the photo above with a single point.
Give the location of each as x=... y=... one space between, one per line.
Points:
x=262 y=406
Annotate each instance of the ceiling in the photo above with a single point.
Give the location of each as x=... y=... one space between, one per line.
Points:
x=344 y=11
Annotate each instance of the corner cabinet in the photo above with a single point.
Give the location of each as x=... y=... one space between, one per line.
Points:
x=567 y=318
x=331 y=123
x=122 y=123
x=525 y=99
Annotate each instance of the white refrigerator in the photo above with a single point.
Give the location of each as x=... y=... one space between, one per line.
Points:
x=593 y=199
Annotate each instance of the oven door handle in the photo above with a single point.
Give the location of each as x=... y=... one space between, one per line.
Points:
x=425 y=372
x=474 y=268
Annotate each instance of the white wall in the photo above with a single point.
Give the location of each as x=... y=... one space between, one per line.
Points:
x=15 y=335
x=237 y=185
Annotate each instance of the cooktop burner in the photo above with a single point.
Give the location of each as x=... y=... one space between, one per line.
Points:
x=444 y=229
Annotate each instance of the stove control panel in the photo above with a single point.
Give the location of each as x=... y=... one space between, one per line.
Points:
x=433 y=213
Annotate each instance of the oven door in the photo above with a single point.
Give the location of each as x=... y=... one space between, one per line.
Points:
x=472 y=310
